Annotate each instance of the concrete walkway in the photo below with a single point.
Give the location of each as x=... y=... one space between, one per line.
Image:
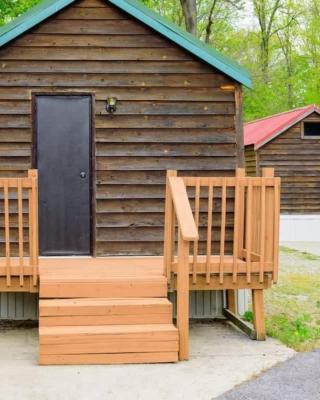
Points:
x=221 y=358
x=295 y=379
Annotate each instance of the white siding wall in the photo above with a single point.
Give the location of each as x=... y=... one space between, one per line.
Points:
x=203 y=305
x=24 y=306
x=299 y=228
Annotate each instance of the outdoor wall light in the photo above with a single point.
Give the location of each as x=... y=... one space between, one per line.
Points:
x=227 y=87
x=111 y=106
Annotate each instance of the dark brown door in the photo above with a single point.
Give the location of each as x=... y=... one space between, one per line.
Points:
x=63 y=125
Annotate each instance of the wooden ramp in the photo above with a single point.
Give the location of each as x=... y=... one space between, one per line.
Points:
x=105 y=311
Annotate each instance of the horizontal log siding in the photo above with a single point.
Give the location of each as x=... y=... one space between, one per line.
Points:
x=172 y=114
x=297 y=162
x=250 y=161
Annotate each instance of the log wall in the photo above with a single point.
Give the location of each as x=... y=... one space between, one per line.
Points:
x=250 y=160
x=297 y=161
x=172 y=114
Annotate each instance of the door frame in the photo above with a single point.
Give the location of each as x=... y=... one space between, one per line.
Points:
x=92 y=151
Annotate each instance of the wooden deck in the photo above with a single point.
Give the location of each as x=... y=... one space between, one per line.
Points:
x=115 y=309
x=112 y=310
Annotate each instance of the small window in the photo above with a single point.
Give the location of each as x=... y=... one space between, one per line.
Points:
x=311 y=129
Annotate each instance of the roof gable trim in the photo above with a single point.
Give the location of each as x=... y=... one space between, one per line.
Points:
x=17 y=28
x=185 y=40
x=286 y=127
x=137 y=10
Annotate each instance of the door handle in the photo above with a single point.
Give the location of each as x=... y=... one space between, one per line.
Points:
x=83 y=174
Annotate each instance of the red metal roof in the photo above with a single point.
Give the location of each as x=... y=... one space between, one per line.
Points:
x=261 y=131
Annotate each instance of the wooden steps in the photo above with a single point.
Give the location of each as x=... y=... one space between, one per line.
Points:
x=101 y=314
x=64 y=312
x=113 y=287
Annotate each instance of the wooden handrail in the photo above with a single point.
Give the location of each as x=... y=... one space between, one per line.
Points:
x=178 y=207
x=183 y=210
x=206 y=220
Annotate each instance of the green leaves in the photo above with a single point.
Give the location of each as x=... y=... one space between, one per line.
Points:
x=10 y=9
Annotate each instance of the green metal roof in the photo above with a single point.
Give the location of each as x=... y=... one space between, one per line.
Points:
x=136 y=9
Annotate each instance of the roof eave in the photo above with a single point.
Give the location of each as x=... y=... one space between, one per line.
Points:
x=183 y=42
x=31 y=22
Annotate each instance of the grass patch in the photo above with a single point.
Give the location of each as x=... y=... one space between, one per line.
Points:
x=296 y=333
x=293 y=305
x=304 y=254
x=248 y=316
x=288 y=250
x=309 y=256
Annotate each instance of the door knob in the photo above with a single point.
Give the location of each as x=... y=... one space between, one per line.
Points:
x=83 y=174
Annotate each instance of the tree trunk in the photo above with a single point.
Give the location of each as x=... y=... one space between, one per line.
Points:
x=189 y=8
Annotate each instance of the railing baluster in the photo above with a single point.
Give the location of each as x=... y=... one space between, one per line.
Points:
x=276 y=229
x=169 y=229
x=238 y=221
x=7 y=231
x=223 y=229
x=196 y=242
x=270 y=242
x=262 y=229
x=20 y=229
x=249 y=230
x=241 y=211
x=34 y=238
x=30 y=236
x=209 y=232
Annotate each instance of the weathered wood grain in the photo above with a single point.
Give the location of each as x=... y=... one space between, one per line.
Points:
x=172 y=113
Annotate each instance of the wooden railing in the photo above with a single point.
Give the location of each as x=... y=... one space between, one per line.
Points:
x=19 y=228
x=227 y=238
x=177 y=205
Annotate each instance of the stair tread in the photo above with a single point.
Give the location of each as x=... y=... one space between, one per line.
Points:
x=55 y=312
x=118 y=358
x=97 y=301
x=106 y=329
x=110 y=265
x=102 y=278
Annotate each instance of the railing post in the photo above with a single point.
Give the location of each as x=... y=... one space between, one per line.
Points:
x=258 y=313
x=168 y=228
x=183 y=297
x=268 y=250
x=33 y=221
x=269 y=217
x=238 y=232
x=7 y=231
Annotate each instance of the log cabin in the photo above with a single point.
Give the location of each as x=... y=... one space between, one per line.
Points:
x=101 y=102
x=290 y=142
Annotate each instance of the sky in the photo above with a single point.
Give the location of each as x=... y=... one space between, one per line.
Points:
x=248 y=19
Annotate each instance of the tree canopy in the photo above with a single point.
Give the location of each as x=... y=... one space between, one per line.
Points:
x=278 y=41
